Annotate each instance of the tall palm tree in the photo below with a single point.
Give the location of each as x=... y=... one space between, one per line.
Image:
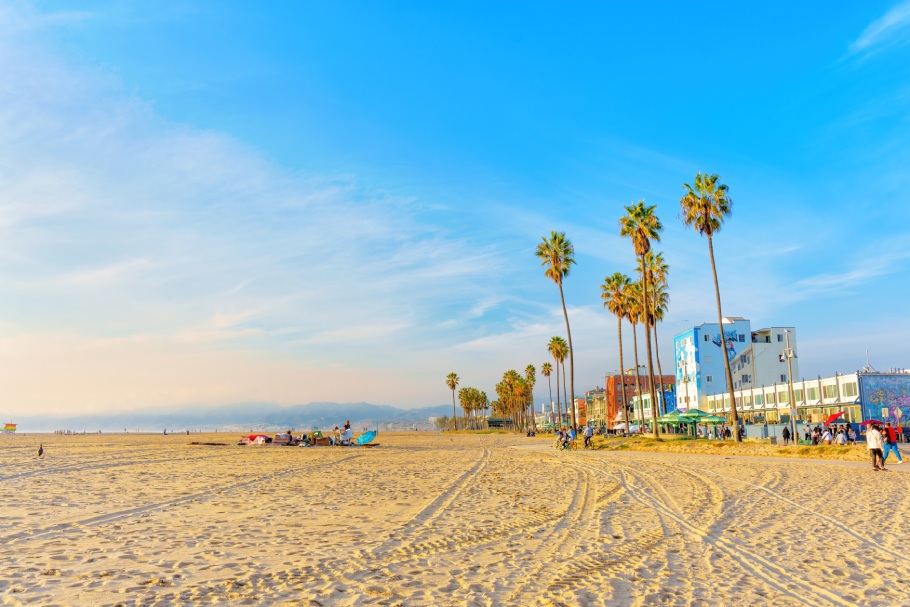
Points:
x=661 y=301
x=615 y=293
x=545 y=370
x=641 y=225
x=554 y=348
x=633 y=314
x=562 y=350
x=452 y=382
x=558 y=255
x=531 y=378
x=704 y=207
x=658 y=299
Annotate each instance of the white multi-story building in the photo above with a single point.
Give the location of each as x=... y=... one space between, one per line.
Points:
x=756 y=359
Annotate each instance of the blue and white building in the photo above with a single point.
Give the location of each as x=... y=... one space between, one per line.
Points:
x=756 y=359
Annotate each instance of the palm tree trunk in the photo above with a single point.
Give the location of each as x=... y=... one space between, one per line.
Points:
x=558 y=405
x=550 y=405
x=565 y=397
x=641 y=411
x=622 y=373
x=454 y=412
x=571 y=356
x=647 y=309
x=660 y=373
x=723 y=346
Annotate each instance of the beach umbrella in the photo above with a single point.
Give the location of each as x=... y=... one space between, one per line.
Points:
x=833 y=417
x=712 y=419
x=693 y=414
x=670 y=418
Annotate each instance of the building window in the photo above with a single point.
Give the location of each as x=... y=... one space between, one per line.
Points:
x=798 y=394
x=748 y=401
x=745 y=379
x=707 y=338
x=830 y=391
x=770 y=398
x=709 y=378
x=783 y=377
x=782 y=397
x=813 y=393
x=742 y=338
x=850 y=389
x=759 y=399
x=780 y=337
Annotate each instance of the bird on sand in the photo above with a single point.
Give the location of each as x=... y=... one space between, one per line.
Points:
x=40 y=450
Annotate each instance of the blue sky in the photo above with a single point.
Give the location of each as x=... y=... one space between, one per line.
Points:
x=208 y=203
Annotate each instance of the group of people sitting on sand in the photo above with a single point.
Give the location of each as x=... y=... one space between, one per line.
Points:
x=339 y=438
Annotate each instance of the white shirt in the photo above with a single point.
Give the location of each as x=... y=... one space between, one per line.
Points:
x=874 y=439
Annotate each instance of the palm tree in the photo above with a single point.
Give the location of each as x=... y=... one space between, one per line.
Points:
x=615 y=293
x=554 y=348
x=452 y=382
x=658 y=299
x=557 y=254
x=562 y=349
x=659 y=307
x=633 y=314
x=642 y=225
x=531 y=378
x=704 y=208
x=546 y=369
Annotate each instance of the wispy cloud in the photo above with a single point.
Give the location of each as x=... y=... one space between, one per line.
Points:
x=887 y=29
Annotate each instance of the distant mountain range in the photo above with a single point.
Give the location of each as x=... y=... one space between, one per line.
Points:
x=242 y=418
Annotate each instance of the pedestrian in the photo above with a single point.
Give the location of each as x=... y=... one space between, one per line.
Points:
x=890 y=439
x=785 y=434
x=826 y=437
x=875 y=445
x=851 y=435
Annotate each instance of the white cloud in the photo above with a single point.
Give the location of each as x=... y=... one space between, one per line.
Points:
x=169 y=243
x=885 y=29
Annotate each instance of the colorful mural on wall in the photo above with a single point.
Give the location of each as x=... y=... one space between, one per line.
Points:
x=886 y=397
x=730 y=339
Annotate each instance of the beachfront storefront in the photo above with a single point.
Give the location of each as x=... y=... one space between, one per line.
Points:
x=860 y=396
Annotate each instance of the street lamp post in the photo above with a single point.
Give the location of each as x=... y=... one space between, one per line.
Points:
x=789 y=354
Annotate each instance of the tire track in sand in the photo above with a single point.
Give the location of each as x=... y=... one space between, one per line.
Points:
x=209 y=493
x=807 y=593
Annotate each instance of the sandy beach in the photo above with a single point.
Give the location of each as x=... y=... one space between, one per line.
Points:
x=428 y=520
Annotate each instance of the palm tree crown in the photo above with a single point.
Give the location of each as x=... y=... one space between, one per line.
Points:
x=705 y=206
x=557 y=254
x=642 y=225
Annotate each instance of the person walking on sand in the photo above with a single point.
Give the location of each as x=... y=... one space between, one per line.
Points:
x=875 y=445
x=890 y=439
x=785 y=434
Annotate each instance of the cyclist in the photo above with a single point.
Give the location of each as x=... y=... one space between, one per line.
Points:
x=589 y=433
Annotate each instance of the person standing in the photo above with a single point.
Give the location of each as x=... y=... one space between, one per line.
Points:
x=785 y=434
x=874 y=444
x=890 y=439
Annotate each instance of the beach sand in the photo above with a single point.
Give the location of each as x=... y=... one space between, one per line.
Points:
x=427 y=520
